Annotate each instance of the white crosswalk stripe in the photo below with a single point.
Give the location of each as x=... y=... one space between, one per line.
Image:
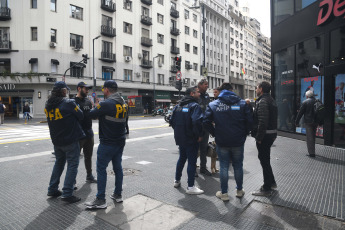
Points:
x=14 y=134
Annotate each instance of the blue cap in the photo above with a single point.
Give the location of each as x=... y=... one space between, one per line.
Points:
x=61 y=85
x=110 y=84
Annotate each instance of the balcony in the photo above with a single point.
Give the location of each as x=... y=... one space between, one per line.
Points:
x=174 y=31
x=146 y=41
x=173 y=69
x=5 y=14
x=174 y=50
x=146 y=64
x=108 y=57
x=188 y=66
x=108 y=6
x=5 y=46
x=108 y=31
x=174 y=13
x=147 y=2
x=146 y=20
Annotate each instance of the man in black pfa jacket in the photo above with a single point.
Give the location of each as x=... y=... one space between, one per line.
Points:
x=265 y=133
x=86 y=143
x=307 y=109
x=63 y=116
x=186 y=120
x=112 y=114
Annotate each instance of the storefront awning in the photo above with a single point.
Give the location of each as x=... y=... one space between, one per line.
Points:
x=108 y=68
x=55 y=62
x=33 y=60
x=163 y=100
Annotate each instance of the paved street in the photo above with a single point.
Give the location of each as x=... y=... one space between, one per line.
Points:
x=310 y=192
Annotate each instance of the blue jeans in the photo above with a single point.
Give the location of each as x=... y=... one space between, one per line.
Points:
x=189 y=152
x=235 y=154
x=105 y=154
x=69 y=153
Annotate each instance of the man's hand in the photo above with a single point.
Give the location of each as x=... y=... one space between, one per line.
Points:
x=199 y=139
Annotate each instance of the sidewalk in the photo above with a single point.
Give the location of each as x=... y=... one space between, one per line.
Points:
x=310 y=193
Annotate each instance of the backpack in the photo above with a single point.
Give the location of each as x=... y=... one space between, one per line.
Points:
x=319 y=112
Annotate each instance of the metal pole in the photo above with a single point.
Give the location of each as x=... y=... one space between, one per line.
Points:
x=203 y=34
x=93 y=65
x=154 y=84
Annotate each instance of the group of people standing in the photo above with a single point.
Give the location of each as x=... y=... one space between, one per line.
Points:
x=229 y=119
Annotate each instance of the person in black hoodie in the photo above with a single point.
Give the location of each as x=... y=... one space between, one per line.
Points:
x=86 y=143
x=186 y=120
x=63 y=116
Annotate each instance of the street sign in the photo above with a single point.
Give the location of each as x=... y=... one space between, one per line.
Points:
x=204 y=71
x=178 y=75
x=93 y=94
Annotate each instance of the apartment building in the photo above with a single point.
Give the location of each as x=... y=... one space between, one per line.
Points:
x=132 y=42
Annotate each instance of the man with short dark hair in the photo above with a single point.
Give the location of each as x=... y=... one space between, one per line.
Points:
x=112 y=114
x=2 y=112
x=265 y=133
x=86 y=143
x=63 y=116
x=216 y=92
x=186 y=120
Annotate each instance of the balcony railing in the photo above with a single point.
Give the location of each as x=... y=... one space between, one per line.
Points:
x=146 y=64
x=189 y=66
x=5 y=13
x=108 y=31
x=174 y=13
x=108 y=57
x=147 y=2
x=174 y=50
x=5 y=46
x=174 y=31
x=146 y=41
x=146 y=20
x=173 y=69
x=109 y=6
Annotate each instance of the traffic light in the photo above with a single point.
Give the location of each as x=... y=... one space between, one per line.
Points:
x=84 y=58
x=178 y=61
x=178 y=85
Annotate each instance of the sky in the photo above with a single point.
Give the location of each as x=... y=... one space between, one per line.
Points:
x=260 y=9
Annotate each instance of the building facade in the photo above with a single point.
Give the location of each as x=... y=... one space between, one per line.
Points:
x=308 y=53
x=133 y=42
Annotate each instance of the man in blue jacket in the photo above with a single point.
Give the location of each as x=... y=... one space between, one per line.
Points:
x=112 y=114
x=233 y=120
x=63 y=116
x=186 y=121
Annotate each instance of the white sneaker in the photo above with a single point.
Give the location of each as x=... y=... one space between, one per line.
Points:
x=222 y=196
x=240 y=193
x=194 y=190
x=177 y=183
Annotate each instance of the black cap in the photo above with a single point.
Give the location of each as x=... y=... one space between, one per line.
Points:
x=110 y=84
x=61 y=85
x=83 y=84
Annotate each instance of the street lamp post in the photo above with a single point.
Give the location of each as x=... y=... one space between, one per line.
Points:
x=93 y=62
x=154 y=84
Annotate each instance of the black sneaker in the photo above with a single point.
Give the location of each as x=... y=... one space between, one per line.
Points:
x=262 y=192
x=274 y=185
x=96 y=203
x=57 y=193
x=71 y=199
x=311 y=155
x=205 y=172
x=91 y=179
x=117 y=198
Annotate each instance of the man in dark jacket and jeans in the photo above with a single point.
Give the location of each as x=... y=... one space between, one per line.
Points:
x=307 y=109
x=265 y=133
x=63 y=116
x=186 y=121
x=233 y=120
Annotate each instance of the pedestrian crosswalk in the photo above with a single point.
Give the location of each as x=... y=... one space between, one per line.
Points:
x=18 y=134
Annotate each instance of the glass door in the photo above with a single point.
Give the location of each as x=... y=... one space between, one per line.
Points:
x=339 y=111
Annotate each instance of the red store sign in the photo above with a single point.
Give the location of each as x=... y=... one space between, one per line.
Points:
x=326 y=9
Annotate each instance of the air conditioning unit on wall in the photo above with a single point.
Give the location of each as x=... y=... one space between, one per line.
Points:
x=128 y=58
x=52 y=44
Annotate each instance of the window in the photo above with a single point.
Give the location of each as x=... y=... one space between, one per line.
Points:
x=52 y=35
x=146 y=77
x=160 y=79
x=127 y=51
x=33 y=33
x=160 y=2
x=34 y=66
x=282 y=9
x=195 y=33
x=53 y=67
x=195 y=18
x=107 y=73
x=77 y=70
x=160 y=38
x=128 y=75
x=232 y=62
x=76 y=12
x=107 y=47
x=195 y=66
x=186 y=30
x=127 y=28
x=160 y=18
x=34 y=4
x=145 y=11
x=173 y=5
x=107 y=21
x=186 y=14
x=161 y=59
x=145 y=33
x=301 y=4
x=53 y=5
x=127 y=5
x=76 y=40
x=186 y=47
x=195 y=50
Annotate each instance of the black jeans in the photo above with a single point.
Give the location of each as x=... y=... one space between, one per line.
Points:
x=264 y=150
x=86 y=145
x=203 y=150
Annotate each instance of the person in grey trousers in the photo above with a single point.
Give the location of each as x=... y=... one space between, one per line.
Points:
x=307 y=109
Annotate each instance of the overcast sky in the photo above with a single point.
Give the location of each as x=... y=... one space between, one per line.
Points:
x=260 y=9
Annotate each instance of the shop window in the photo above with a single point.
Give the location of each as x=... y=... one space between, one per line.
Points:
x=338 y=46
x=5 y=66
x=282 y=9
x=301 y=4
